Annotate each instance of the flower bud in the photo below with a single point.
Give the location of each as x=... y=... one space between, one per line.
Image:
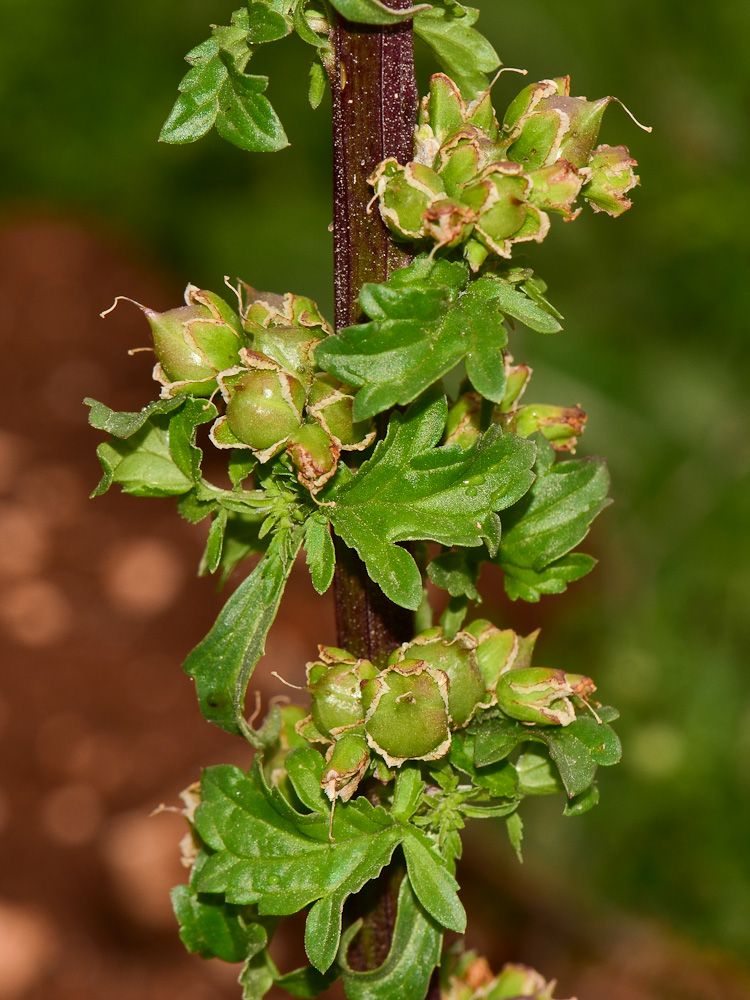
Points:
x=407 y=713
x=346 y=763
x=458 y=661
x=612 y=177
x=496 y=650
x=404 y=194
x=334 y=682
x=263 y=408
x=314 y=454
x=540 y=695
x=194 y=342
x=561 y=425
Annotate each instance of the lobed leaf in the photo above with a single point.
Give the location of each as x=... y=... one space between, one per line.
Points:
x=410 y=490
x=373 y=11
x=414 y=953
x=223 y=662
x=425 y=320
x=461 y=51
x=267 y=854
x=213 y=928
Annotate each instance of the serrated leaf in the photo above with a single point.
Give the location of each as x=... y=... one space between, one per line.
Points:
x=461 y=51
x=217 y=92
x=142 y=464
x=123 y=425
x=241 y=539
x=457 y=572
x=426 y=319
x=499 y=778
x=317 y=88
x=410 y=490
x=267 y=854
x=183 y=427
x=214 y=543
x=414 y=953
x=373 y=11
x=223 y=662
x=514 y=826
x=266 y=24
x=530 y=584
x=518 y=305
x=432 y=882
x=307 y=983
x=550 y=520
x=319 y=551
x=211 y=928
x=576 y=749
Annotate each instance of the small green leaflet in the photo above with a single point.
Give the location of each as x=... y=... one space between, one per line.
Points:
x=217 y=92
x=457 y=572
x=373 y=11
x=576 y=749
x=461 y=51
x=223 y=662
x=321 y=557
x=212 y=928
x=414 y=953
x=426 y=319
x=410 y=490
x=155 y=453
x=433 y=884
x=550 y=520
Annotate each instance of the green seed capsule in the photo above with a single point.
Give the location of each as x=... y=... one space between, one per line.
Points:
x=291 y=347
x=346 y=763
x=612 y=177
x=263 y=407
x=561 y=425
x=406 y=714
x=458 y=660
x=332 y=408
x=334 y=682
x=539 y=695
x=194 y=342
x=314 y=454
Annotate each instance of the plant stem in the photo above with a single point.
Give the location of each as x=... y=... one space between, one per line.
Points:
x=374 y=112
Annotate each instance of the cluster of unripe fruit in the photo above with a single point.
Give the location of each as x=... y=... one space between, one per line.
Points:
x=429 y=687
x=261 y=361
x=486 y=185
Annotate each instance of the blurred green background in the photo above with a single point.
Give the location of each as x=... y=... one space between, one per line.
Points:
x=655 y=348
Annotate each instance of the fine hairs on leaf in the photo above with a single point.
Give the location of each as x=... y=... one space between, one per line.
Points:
x=400 y=454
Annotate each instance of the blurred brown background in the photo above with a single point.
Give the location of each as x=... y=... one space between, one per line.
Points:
x=647 y=897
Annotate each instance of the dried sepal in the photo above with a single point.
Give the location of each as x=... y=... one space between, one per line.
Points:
x=612 y=176
x=561 y=425
x=346 y=763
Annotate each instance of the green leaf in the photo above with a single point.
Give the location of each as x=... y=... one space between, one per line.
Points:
x=550 y=520
x=461 y=51
x=456 y=572
x=183 y=426
x=410 y=490
x=317 y=89
x=265 y=853
x=432 y=882
x=426 y=319
x=407 y=792
x=211 y=928
x=521 y=307
x=142 y=464
x=123 y=425
x=257 y=976
x=214 y=543
x=320 y=553
x=530 y=584
x=514 y=825
x=576 y=749
x=414 y=953
x=536 y=775
x=217 y=92
x=241 y=539
x=266 y=24
x=499 y=778
x=308 y=983
x=373 y=11
x=581 y=804
x=223 y=662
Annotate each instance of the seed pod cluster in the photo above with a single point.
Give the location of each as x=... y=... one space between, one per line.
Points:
x=489 y=186
x=471 y=978
x=429 y=688
x=470 y=415
x=277 y=399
